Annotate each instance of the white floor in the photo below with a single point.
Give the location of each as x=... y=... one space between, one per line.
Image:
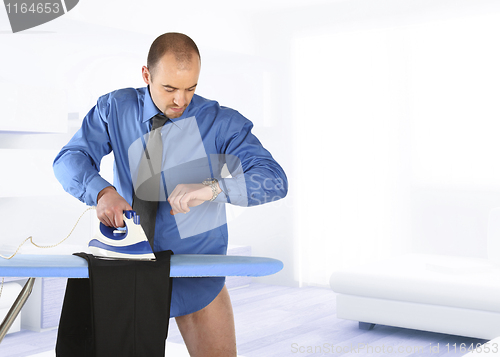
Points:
x=173 y=349
x=274 y=321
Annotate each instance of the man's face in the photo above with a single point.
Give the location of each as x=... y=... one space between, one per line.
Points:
x=172 y=84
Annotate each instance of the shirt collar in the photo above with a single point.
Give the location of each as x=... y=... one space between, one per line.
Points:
x=150 y=110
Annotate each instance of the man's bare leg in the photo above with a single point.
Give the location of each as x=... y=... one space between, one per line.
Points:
x=210 y=331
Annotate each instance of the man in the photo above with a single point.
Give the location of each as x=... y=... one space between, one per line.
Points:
x=199 y=138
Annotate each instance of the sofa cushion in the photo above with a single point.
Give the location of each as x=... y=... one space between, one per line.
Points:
x=471 y=283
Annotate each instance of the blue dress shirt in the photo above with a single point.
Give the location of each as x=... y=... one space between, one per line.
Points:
x=196 y=146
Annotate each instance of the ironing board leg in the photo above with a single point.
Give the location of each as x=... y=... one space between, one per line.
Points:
x=16 y=308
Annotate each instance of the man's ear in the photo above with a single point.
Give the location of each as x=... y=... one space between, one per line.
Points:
x=146 y=75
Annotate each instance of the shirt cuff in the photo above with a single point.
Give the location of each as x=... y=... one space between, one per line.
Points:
x=233 y=191
x=95 y=185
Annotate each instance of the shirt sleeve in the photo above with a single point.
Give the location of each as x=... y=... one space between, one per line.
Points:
x=256 y=178
x=77 y=165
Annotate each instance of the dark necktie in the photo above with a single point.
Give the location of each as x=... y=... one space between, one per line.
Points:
x=146 y=196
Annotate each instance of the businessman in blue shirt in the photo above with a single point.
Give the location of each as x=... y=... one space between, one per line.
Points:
x=200 y=138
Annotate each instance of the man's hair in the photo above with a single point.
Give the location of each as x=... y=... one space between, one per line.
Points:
x=180 y=45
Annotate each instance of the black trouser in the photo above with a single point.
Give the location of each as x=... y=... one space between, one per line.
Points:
x=123 y=310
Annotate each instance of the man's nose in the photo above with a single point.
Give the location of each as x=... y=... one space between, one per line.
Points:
x=180 y=98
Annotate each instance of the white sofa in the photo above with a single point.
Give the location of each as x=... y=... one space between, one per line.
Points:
x=445 y=294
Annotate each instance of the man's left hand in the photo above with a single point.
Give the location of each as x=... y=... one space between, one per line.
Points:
x=188 y=195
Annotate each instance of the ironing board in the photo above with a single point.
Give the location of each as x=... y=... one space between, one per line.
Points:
x=71 y=266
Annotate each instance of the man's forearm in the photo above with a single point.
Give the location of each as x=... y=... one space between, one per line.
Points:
x=78 y=176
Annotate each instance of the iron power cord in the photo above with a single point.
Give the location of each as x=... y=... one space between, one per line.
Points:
x=30 y=238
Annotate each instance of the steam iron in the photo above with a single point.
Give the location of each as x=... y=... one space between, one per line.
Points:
x=129 y=242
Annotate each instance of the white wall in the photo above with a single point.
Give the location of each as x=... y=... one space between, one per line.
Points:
x=396 y=118
x=382 y=113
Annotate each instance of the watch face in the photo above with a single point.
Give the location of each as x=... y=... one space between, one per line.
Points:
x=210 y=181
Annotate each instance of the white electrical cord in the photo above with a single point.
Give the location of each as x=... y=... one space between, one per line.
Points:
x=30 y=238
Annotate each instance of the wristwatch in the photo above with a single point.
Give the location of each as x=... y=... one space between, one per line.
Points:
x=212 y=182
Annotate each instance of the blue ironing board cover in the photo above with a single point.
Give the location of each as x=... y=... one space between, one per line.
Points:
x=181 y=265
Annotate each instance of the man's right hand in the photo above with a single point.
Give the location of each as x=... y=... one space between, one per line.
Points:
x=110 y=207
